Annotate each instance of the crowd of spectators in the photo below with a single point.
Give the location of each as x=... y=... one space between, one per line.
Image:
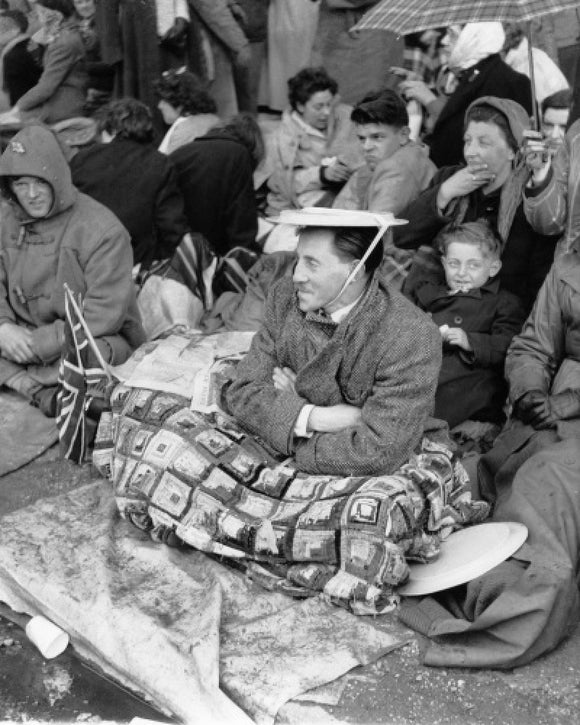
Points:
x=445 y=143
x=133 y=151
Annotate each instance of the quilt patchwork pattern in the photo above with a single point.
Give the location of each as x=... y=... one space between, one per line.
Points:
x=201 y=480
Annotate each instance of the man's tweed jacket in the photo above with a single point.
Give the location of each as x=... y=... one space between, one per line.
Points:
x=384 y=357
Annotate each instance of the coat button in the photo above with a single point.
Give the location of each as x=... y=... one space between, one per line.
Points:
x=457 y=320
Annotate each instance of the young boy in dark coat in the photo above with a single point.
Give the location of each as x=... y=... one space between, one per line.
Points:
x=477 y=321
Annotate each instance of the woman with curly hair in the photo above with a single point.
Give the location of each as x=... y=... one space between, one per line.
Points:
x=186 y=107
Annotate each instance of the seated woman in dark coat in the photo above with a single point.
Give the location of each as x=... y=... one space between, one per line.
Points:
x=135 y=181
x=490 y=186
x=215 y=175
x=186 y=107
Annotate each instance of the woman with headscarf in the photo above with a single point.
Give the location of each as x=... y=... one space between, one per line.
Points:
x=478 y=70
x=488 y=185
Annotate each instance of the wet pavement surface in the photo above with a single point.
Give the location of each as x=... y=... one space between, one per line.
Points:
x=396 y=690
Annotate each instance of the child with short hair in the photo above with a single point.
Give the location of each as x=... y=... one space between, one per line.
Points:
x=477 y=320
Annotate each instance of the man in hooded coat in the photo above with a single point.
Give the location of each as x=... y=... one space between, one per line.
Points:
x=52 y=235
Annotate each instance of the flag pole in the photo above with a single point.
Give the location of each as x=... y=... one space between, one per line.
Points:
x=90 y=338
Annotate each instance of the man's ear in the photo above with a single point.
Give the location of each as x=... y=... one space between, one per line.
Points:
x=404 y=133
x=494 y=267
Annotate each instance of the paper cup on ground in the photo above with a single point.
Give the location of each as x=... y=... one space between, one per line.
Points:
x=50 y=640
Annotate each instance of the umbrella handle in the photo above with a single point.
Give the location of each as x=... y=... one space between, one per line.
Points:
x=535 y=119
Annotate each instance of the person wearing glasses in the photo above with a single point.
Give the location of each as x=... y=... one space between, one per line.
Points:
x=477 y=320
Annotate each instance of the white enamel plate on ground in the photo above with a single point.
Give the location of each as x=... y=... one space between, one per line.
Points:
x=465 y=555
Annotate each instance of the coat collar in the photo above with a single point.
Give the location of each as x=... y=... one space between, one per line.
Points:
x=323 y=319
x=431 y=292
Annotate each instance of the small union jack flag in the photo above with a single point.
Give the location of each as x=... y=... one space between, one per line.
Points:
x=79 y=382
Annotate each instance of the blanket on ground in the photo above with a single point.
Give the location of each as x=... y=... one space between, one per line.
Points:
x=198 y=478
x=172 y=625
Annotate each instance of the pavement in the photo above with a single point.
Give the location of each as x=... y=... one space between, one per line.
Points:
x=396 y=690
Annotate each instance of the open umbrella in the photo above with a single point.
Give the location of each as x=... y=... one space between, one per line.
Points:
x=410 y=16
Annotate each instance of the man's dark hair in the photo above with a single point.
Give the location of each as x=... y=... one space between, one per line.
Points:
x=16 y=19
x=244 y=128
x=488 y=114
x=386 y=107
x=185 y=90
x=306 y=83
x=66 y=7
x=560 y=99
x=352 y=242
x=128 y=119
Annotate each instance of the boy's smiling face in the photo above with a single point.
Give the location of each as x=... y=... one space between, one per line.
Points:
x=468 y=266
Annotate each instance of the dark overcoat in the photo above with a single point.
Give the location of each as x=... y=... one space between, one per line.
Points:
x=215 y=175
x=471 y=384
x=137 y=183
x=21 y=72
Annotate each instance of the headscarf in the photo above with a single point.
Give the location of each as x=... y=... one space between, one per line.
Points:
x=512 y=189
x=475 y=42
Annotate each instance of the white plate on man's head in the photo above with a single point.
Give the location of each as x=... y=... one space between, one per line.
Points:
x=319 y=216
x=465 y=555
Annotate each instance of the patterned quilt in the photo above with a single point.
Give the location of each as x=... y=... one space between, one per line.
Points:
x=199 y=479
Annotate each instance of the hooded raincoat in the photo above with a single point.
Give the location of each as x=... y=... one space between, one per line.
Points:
x=80 y=242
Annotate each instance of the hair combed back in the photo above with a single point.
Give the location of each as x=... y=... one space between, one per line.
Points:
x=350 y=244
x=306 y=83
x=478 y=233
x=185 y=90
x=127 y=118
x=488 y=114
x=386 y=107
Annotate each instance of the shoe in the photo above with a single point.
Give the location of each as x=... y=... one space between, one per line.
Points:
x=45 y=401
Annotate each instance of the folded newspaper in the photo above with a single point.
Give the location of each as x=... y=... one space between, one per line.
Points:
x=189 y=363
